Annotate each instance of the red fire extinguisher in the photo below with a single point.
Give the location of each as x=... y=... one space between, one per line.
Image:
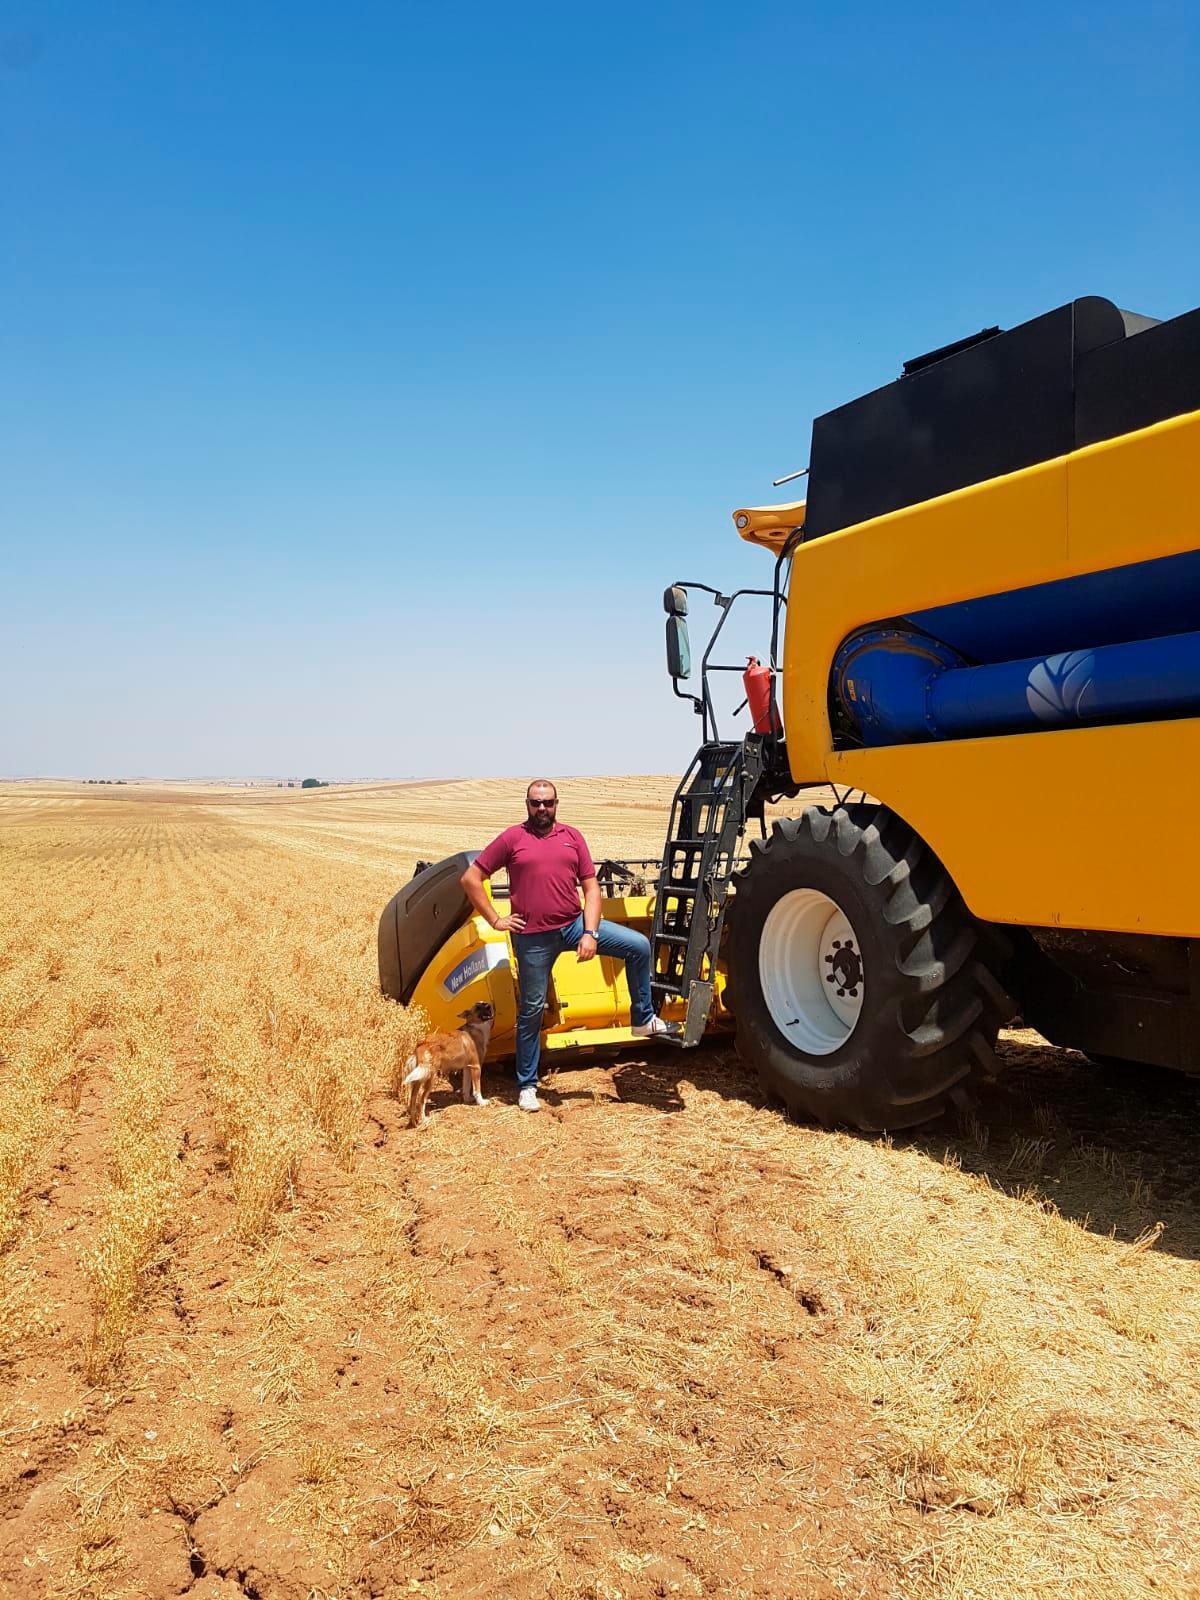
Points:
x=757 y=681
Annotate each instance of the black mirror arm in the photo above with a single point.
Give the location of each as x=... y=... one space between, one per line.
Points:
x=682 y=694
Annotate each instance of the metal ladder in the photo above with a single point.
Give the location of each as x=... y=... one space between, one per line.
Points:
x=708 y=817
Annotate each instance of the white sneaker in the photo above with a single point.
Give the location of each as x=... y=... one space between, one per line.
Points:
x=528 y=1100
x=656 y=1028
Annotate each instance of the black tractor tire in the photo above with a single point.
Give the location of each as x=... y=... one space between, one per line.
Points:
x=932 y=1000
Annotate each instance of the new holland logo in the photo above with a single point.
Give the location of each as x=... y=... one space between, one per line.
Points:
x=473 y=966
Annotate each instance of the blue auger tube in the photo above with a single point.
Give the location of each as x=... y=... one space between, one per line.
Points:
x=899 y=696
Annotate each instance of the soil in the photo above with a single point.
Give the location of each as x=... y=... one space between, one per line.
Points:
x=584 y=1354
x=587 y=1272
x=732 y=1474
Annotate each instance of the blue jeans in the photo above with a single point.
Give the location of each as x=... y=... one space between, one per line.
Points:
x=537 y=953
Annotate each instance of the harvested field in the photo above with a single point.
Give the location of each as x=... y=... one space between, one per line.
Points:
x=258 y=1338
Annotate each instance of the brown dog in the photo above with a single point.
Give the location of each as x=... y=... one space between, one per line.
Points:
x=440 y=1054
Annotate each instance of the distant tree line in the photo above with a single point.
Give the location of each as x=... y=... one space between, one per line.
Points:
x=105 y=780
x=313 y=783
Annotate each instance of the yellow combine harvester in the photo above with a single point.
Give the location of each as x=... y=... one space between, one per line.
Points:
x=992 y=639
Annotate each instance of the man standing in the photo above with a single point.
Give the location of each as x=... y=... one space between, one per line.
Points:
x=548 y=863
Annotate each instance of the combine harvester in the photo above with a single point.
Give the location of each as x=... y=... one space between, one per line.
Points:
x=992 y=638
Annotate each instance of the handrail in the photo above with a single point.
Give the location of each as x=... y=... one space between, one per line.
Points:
x=703 y=702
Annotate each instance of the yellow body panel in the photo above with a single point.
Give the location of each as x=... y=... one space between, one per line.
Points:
x=1038 y=828
x=477 y=963
x=1025 y=823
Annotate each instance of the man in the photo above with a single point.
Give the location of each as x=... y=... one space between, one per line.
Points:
x=548 y=863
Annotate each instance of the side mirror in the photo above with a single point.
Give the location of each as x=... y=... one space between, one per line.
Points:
x=679 y=649
x=675 y=602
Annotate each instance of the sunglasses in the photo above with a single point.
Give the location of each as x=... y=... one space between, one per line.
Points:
x=548 y=805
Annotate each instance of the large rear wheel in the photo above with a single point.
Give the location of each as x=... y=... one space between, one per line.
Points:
x=864 y=990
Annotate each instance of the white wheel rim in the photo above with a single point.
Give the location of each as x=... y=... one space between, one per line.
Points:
x=810 y=969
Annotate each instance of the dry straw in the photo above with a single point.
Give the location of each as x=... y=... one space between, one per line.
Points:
x=971 y=1358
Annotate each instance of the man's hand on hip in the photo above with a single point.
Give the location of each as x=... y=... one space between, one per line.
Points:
x=509 y=924
x=587 y=947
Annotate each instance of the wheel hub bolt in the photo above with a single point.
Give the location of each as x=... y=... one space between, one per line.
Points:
x=847 y=968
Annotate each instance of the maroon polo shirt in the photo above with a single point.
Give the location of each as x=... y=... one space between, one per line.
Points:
x=544 y=872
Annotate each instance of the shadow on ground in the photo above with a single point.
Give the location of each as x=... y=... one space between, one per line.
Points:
x=1117 y=1150
x=654 y=1079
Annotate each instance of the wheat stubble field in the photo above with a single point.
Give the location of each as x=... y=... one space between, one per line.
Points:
x=257 y=1338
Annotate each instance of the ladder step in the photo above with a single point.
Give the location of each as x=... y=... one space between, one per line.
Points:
x=575 y=1038
x=713 y=797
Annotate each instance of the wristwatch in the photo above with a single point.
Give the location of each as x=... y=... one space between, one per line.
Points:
x=592 y=933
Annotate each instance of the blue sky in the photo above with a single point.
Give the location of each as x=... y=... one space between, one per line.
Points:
x=366 y=372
